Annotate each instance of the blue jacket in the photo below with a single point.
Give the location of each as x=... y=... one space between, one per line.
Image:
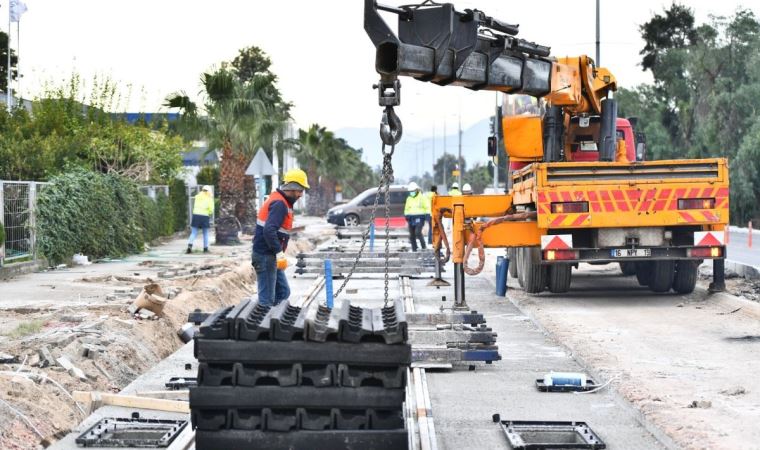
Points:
x=268 y=240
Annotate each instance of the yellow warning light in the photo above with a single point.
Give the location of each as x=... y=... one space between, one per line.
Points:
x=558 y=208
x=715 y=252
x=551 y=255
x=706 y=204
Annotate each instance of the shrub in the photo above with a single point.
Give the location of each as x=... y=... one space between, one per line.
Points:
x=178 y=199
x=208 y=175
x=98 y=215
x=2 y=234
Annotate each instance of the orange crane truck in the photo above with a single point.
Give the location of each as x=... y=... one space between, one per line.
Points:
x=581 y=190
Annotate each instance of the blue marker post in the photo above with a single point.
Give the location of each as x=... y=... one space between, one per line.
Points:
x=372 y=237
x=328 y=283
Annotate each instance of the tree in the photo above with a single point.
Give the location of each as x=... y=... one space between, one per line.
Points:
x=251 y=62
x=230 y=106
x=703 y=100
x=480 y=177
x=4 y=65
x=447 y=163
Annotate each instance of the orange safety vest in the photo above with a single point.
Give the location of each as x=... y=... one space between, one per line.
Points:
x=287 y=224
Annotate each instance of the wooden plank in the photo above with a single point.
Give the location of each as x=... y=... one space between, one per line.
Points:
x=96 y=399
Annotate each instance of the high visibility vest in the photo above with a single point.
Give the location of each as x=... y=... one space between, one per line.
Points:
x=430 y=196
x=203 y=204
x=287 y=224
x=416 y=205
x=454 y=191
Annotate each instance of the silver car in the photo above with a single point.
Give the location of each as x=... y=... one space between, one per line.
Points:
x=358 y=210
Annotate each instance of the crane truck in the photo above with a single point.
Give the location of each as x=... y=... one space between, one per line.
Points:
x=581 y=189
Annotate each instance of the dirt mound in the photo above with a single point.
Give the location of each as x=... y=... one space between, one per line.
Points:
x=107 y=346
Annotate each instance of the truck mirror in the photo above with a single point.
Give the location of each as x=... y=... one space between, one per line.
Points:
x=491 y=146
x=641 y=150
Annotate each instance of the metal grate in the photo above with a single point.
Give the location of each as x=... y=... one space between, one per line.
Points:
x=134 y=432
x=548 y=435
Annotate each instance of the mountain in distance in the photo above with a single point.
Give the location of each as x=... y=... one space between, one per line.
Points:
x=414 y=156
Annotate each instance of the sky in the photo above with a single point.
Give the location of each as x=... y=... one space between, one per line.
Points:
x=320 y=52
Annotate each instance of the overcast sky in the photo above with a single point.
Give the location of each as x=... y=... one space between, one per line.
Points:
x=324 y=59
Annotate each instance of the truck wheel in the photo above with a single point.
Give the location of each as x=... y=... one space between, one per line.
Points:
x=662 y=275
x=535 y=273
x=628 y=268
x=644 y=273
x=512 y=255
x=560 y=276
x=686 y=277
x=520 y=260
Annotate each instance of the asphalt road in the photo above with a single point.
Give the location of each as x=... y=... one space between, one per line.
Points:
x=681 y=360
x=739 y=250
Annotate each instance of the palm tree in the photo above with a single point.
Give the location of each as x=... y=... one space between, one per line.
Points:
x=230 y=109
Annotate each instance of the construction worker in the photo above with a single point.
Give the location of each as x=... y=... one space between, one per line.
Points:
x=203 y=208
x=467 y=189
x=273 y=225
x=431 y=196
x=415 y=211
x=455 y=189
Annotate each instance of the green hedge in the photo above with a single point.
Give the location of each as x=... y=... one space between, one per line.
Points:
x=99 y=216
x=178 y=199
x=2 y=234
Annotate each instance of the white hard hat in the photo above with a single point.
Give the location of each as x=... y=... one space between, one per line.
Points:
x=455 y=185
x=206 y=188
x=467 y=188
x=412 y=187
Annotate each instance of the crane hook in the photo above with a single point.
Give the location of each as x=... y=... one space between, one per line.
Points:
x=390 y=127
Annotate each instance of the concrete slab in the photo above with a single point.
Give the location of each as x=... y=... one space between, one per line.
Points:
x=464 y=401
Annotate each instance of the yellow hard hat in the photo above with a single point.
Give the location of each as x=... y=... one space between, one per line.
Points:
x=296 y=176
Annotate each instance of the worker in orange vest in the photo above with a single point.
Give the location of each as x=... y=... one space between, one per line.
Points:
x=270 y=240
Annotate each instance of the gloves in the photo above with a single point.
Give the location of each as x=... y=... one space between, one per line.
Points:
x=282 y=262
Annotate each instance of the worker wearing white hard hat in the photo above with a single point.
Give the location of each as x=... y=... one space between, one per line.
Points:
x=455 y=189
x=466 y=189
x=416 y=209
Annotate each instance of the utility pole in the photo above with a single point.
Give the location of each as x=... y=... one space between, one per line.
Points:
x=459 y=157
x=433 y=165
x=443 y=162
x=496 y=126
x=598 y=57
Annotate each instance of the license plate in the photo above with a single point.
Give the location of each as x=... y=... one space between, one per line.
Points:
x=631 y=252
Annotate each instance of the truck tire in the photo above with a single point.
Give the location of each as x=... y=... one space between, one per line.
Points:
x=628 y=268
x=534 y=276
x=560 y=276
x=686 y=277
x=512 y=256
x=663 y=273
x=520 y=268
x=644 y=273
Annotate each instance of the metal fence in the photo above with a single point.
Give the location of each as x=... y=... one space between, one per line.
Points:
x=18 y=200
x=153 y=190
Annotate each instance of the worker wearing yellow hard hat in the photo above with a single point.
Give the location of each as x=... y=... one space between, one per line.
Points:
x=273 y=225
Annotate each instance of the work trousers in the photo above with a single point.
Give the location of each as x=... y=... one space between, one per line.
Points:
x=415 y=224
x=272 y=283
x=194 y=234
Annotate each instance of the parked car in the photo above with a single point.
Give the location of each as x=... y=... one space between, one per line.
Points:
x=358 y=210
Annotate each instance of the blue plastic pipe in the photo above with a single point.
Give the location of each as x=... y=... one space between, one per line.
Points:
x=328 y=283
x=372 y=237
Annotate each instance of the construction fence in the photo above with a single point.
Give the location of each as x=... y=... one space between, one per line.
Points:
x=18 y=200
